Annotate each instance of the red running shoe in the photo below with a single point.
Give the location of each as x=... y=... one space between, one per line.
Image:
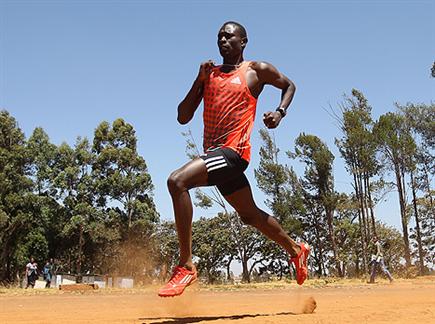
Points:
x=180 y=279
x=301 y=263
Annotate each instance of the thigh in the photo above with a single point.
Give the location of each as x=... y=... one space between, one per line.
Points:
x=191 y=175
x=225 y=170
x=233 y=185
x=242 y=200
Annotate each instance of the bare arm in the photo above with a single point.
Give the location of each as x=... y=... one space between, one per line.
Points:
x=187 y=107
x=268 y=74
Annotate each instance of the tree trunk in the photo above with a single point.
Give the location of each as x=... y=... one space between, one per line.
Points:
x=417 y=225
x=329 y=217
x=245 y=271
x=363 y=209
x=370 y=203
x=281 y=270
x=361 y=226
x=427 y=185
x=228 y=266
x=400 y=189
x=79 y=259
x=320 y=264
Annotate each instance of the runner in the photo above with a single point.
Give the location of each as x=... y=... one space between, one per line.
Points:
x=230 y=92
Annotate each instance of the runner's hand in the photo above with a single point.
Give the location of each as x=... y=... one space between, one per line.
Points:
x=205 y=70
x=271 y=119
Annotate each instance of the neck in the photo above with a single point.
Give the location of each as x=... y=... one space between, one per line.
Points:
x=234 y=61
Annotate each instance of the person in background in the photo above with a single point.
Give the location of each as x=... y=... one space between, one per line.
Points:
x=48 y=273
x=377 y=260
x=31 y=272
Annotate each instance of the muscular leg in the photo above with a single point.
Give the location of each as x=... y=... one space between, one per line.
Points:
x=191 y=175
x=243 y=202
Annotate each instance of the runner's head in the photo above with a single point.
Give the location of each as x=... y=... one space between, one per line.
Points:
x=232 y=40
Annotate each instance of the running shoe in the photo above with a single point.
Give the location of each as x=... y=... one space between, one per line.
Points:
x=180 y=279
x=301 y=263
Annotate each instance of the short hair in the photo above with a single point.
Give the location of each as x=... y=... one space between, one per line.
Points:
x=242 y=29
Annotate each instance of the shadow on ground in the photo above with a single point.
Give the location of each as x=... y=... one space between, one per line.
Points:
x=186 y=320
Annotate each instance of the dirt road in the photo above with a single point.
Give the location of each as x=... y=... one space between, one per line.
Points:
x=411 y=301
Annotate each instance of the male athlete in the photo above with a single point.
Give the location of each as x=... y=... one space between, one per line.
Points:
x=230 y=93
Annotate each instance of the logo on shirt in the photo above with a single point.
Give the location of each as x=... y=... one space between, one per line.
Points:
x=236 y=80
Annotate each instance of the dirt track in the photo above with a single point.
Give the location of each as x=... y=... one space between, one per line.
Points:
x=402 y=302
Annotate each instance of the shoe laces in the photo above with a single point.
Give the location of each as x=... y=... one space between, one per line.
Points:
x=176 y=273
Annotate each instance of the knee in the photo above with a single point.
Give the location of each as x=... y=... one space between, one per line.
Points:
x=175 y=183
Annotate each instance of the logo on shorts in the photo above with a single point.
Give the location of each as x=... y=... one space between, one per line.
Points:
x=215 y=163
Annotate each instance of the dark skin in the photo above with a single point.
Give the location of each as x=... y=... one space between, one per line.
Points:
x=231 y=43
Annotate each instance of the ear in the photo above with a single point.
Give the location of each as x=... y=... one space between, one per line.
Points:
x=244 y=42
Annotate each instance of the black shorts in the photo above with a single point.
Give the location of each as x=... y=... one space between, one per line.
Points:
x=225 y=170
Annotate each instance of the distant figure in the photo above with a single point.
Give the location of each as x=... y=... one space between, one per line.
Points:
x=31 y=272
x=378 y=261
x=48 y=273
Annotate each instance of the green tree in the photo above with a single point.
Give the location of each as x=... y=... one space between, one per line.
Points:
x=278 y=182
x=397 y=146
x=16 y=198
x=210 y=243
x=75 y=189
x=121 y=173
x=121 y=178
x=42 y=159
x=358 y=148
x=247 y=243
x=319 y=181
x=420 y=120
x=348 y=236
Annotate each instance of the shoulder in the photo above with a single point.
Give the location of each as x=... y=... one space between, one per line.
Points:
x=261 y=66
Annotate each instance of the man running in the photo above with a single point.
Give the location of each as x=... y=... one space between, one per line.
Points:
x=230 y=93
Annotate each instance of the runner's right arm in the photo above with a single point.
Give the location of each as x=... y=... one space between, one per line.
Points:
x=187 y=108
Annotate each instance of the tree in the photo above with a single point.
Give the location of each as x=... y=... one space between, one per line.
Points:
x=16 y=198
x=277 y=181
x=358 y=148
x=319 y=181
x=75 y=183
x=348 y=236
x=121 y=177
x=396 y=146
x=420 y=120
x=210 y=244
x=42 y=158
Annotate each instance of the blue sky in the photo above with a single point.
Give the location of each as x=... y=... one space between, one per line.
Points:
x=68 y=65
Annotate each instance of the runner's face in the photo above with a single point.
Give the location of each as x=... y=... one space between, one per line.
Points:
x=229 y=41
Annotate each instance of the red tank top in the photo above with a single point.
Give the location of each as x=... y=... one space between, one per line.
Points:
x=229 y=111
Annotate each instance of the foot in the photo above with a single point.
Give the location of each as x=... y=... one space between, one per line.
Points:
x=300 y=262
x=180 y=279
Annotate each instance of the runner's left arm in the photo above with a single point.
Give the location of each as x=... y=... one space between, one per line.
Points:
x=268 y=74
